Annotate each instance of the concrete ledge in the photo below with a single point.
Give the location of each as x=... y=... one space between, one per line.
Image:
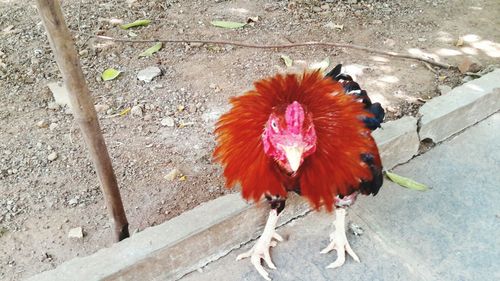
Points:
x=462 y=107
x=397 y=141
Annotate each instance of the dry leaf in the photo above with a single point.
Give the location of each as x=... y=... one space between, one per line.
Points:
x=182 y=125
x=338 y=26
x=253 y=19
x=227 y=24
x=322 y=65
x=287 y=60
x=8 y=29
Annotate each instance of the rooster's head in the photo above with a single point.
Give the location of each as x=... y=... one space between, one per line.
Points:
x=289 y=136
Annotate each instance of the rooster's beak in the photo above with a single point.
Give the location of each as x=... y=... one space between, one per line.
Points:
x=294 y=156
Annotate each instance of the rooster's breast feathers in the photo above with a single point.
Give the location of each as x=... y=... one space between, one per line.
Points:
x=338 y=167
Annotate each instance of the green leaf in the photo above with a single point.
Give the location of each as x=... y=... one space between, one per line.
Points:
x=406 y=182
x=227 y=24
x=322 y=65
x=110 y=74
x=287 y=60
x=135 y=24
x=150 y=51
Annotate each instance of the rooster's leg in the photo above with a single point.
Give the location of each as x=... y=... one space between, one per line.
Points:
x=338 y=240
x=261 y=249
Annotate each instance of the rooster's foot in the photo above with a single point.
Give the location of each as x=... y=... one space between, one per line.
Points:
x=261 y=249
x=338 y=241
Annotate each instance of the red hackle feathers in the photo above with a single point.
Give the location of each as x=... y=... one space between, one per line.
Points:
x=335 y=167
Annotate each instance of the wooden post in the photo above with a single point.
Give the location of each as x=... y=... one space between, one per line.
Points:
x=83 y=109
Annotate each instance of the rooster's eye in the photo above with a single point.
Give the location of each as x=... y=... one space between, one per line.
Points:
x=274 y=126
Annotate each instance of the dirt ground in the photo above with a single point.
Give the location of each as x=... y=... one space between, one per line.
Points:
x=42 y=199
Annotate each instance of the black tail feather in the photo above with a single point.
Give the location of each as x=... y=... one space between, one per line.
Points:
x=373 y=186
x=334 y=72
x=377 y=111
x=353 y=88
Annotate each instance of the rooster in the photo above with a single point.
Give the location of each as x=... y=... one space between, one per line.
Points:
x=307 y=134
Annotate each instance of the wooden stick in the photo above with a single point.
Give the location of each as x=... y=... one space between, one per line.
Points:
x=282 y=46
x=83 y=109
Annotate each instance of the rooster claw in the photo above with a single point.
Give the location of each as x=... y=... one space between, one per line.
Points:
x=260 y=251
x=341 y=247
x=339 y=242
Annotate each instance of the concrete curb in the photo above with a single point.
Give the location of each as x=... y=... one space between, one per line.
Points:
x=211 y=230
x=397 y=141
x=462 y=107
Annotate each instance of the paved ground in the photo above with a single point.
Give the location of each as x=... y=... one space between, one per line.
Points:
x=450 y=232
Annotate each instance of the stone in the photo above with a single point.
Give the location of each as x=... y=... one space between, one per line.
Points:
x=42 y=124
x=196 y=44
x=397 y=141
x=148 y=74
x=53 y=126
x=168 y=121
x=444 y=89
x=73 y=201
x=101 y=107
x=464 y=106
x=83 y=53
x=172 y=175
x=330 y=25
x=470 y=64
x=76 y=232
x=68 y=111
x=148 y=117
x=59 y=92
x=136 y=111
x=467 y=79
x=53 y=156
x=53 y=106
